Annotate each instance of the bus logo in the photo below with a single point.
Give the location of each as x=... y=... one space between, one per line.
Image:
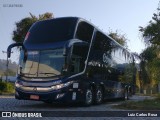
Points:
x=34 y=89
x=105 y=58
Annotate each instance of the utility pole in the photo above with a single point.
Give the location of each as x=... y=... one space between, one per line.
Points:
x=6 y=66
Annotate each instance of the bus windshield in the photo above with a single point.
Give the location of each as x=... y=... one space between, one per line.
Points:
x=44 y=63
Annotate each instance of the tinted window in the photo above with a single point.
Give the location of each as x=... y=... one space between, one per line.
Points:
x=108 y=58
x=112 y=50
x=84 y=32
x=52 y=30
x=102 y=42
x=79 y=55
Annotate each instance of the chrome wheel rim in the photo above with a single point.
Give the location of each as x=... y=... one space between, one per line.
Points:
x=99 y=96
x=89 y=96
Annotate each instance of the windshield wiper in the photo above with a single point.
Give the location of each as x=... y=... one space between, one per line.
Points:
x=48 y=73
x=23 y=74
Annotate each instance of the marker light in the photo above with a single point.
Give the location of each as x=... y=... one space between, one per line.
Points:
x=27 y=35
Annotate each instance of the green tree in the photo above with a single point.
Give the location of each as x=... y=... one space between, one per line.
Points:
x=146 y=57
x=150 y=33
x=150 y=57
x=23 y=25
x=150 y=64
x=120 y=38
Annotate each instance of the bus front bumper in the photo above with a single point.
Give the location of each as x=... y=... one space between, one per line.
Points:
x=62 y=95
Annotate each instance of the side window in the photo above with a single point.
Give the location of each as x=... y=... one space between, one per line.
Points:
x=98 y=41
x=98 y=47
x=79 y=55
x=102 y=42
x=84 y=32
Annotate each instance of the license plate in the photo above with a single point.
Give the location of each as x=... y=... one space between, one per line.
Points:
x=35 y=97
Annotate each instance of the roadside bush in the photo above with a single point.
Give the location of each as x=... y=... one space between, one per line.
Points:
x=2 y=86
x=6 y=87
x=158 y=96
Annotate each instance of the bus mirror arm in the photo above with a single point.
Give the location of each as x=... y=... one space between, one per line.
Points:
x=64 y=54
x=13 y=45
x=65 y=51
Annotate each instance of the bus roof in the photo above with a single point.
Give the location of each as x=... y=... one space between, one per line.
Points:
x=70 y=23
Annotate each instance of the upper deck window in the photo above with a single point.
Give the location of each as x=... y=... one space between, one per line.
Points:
x=53 y=30
x=84 y=32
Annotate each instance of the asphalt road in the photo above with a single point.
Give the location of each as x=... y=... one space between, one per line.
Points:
x=10 y=104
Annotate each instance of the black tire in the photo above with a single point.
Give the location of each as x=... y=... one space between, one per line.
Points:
x=88 y=96
x=98 y=95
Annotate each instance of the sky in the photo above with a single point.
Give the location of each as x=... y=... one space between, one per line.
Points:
x=125 y=16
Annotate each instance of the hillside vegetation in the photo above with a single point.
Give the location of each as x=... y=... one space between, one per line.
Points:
x=12 y=67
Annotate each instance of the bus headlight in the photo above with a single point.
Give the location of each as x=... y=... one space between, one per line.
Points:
x=18 y=84
x=57 y=87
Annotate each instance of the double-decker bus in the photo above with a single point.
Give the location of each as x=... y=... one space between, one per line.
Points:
x=70 y=60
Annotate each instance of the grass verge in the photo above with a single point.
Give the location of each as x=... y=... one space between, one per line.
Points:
x=147 y=104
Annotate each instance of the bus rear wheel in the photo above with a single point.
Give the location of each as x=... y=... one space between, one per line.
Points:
x=88 y=96
x=99 y=95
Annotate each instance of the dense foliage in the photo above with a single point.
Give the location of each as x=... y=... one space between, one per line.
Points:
x=150 y=57
x=120 y=38
x=6 y=87
x=23 y=25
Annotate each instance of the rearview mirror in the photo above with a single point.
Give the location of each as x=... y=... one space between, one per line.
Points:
x=13 y=45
